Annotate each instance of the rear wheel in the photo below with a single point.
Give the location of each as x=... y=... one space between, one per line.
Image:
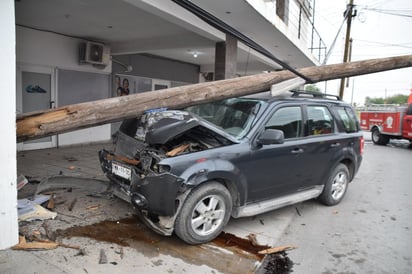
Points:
x=204 y=213
x=336 y=186
x=378 y=138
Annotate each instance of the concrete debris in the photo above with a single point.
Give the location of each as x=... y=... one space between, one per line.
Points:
x=51 y=235
x=72 y=204
x=82 y=252
x=253 y=240
x=65 y=182
x=50 y=204
x=103 y=257
x=69 y=246
x=120 y=252
x=93 y=207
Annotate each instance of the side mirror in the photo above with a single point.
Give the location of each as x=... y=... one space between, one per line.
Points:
x=271 y=137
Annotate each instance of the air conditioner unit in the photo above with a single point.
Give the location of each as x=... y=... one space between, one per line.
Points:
x=94 y=53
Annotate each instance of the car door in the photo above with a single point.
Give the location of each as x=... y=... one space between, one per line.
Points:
x=320 y=146
x=275 y=170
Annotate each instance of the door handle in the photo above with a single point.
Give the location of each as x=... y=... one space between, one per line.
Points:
x=297 y=150
x=335 y=145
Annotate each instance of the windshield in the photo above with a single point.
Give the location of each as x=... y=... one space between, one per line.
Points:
x=235 y=116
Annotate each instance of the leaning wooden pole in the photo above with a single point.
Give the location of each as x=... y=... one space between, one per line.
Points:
x=39 y=124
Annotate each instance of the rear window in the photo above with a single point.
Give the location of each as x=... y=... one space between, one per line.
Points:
x=348 y=118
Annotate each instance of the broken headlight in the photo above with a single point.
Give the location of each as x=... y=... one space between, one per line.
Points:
x=161 y=168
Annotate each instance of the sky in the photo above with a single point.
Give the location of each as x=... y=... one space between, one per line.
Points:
x=382 y=28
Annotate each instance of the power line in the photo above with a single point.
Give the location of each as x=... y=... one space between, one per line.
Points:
x=397 y=12
x=403 y=45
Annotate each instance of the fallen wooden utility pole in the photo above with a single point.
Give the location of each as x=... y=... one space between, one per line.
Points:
x=39 y=124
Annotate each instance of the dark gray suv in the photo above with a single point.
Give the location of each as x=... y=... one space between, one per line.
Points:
x=188 y=171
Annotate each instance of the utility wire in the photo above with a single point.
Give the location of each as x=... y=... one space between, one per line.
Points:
x=404 y=45
x=333 y=43
x=399 y=12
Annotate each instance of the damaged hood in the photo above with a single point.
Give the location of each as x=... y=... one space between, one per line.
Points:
x=161 y=127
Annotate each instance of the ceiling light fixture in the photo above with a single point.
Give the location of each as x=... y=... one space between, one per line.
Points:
x=194 y=53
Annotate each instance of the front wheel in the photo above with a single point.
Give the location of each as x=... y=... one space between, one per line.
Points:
x=336 y=186
x=378 y=138
x=204 y=213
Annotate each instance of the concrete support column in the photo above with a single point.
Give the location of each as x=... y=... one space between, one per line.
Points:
x=8 y=192
x=226 y=58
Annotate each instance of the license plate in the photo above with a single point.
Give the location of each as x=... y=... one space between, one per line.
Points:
x=121 y=171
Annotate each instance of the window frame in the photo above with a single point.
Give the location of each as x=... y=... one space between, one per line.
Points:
x=333 y=127
x=300 y=132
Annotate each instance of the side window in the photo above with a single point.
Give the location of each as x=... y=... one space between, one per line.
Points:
x=348 y=119
x=320 y=120
x=287 y=119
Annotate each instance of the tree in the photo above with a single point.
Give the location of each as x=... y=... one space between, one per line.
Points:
x=397 y=99
x=312 y=88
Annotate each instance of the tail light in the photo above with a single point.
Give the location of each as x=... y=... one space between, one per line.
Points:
x=362 y=145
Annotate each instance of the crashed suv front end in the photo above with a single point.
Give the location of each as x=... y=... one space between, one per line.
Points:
x=148 y=161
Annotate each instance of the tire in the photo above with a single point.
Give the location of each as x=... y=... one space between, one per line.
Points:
x=205 y=212
x=378 y=138
x=336 y=186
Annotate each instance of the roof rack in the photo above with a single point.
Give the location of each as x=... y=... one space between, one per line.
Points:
x=303 y=93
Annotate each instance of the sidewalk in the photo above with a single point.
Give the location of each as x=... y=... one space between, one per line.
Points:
x=78 y=161
x=145 y=252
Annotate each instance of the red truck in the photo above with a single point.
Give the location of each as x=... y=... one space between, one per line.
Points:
x=388 y=122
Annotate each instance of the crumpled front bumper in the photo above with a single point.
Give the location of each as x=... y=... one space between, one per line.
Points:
x=155 y=193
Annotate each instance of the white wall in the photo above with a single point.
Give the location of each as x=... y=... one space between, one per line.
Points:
x=291 y=29
x=48 y=49
x=8 y=192
x=84 y=136
x=45 y=49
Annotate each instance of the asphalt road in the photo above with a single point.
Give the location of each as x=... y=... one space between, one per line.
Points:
x=370 y=231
